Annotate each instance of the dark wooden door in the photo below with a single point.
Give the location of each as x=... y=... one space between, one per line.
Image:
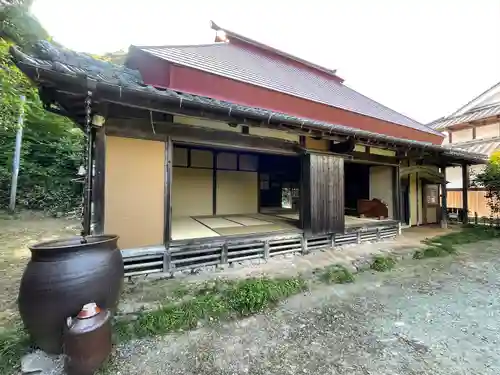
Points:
x=322 y=194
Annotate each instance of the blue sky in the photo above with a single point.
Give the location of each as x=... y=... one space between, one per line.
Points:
x=423 y=58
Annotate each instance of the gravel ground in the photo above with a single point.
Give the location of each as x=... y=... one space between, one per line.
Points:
x=437 y=316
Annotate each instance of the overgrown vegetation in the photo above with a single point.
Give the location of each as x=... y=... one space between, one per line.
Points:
x=446 y=244
x=383 y=263
x=335 y=274
x=13 y=344
x=51 y=147
x=222 y=300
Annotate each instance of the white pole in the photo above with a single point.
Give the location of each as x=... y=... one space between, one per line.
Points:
x=17 y=156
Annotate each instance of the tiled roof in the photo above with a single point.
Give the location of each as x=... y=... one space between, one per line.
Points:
x=486 y=146
x=473 y=115
x=245 y=65
x=51 y=61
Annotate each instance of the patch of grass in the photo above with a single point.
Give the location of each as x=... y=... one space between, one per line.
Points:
x=223 y=300
x=383 y=263
x=13 y=344
x=336 y=274
x=445 y=245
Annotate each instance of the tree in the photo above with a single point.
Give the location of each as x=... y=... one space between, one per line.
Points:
x=18 y=25
x=52 y=146
x=489 y=179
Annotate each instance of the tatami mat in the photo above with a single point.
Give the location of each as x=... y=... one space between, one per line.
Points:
x=352 y=220
x=293 y=216
x=252 y=229
x=248 y=221
x=217 y=222
x=187 y=228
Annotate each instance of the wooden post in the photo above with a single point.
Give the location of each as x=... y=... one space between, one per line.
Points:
x=444 y=205
x=396 y=194
x=465 y=198
x=167 y=200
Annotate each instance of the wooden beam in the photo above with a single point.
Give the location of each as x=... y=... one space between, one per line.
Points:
x=376 y=159
x=197 y=135
x=167 y=232
x=99 y=180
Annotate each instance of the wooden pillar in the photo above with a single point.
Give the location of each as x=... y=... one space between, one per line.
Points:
x=396 y=192
x=167 y=233
x=465 y=198
x=444 y=205
x=322 y=194
x=99 y=180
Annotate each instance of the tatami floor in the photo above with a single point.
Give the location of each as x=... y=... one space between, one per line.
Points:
x=350 y=221
x=184 y=228
x=270 y=220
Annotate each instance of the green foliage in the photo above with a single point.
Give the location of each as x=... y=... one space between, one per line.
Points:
x=383 y=263
x=489 y=179
x=19 y=25
x=445 y=245
x=51 y=148
x=13 y=344
x=222 y=300
x=336 y=274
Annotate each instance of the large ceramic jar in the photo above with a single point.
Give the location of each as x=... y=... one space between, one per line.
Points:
x=61 y=277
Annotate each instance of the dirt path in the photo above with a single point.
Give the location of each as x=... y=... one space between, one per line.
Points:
x=426 y=317
x=16 y=234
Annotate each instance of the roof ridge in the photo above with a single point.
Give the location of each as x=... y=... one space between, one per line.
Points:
x=494 y=105
x=332 y=72
x=472 y=100
x=180 y=45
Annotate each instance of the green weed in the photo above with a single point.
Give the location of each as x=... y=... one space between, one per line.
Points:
x=13 y=344
x=383 y=263
x=224 y=300
x=336 y=274
x=445 y=245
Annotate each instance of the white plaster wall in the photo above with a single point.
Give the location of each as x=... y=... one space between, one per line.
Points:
x=487 y=131
x=381 y=186
x=463 y=135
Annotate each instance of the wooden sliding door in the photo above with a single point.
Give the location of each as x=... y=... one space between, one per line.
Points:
x=322 y=194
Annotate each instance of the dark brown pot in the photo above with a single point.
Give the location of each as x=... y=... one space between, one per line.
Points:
x=61 y=277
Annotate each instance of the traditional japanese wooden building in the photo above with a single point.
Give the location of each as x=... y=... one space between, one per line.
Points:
x=231 y=151
x=474 y=127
